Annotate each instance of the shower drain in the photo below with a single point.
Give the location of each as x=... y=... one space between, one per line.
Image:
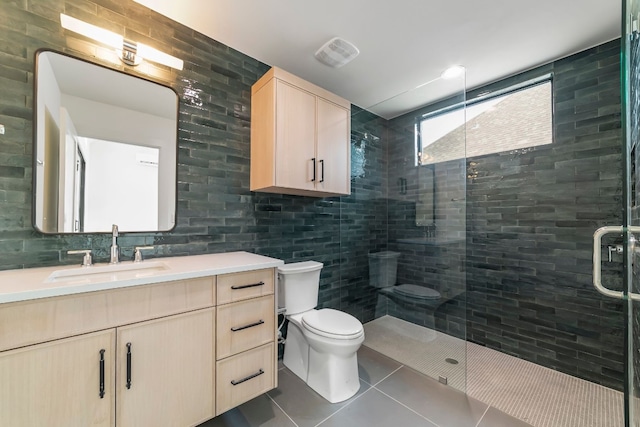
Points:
x=450 y=360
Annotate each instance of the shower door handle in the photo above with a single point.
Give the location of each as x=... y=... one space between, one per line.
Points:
x=597 y=260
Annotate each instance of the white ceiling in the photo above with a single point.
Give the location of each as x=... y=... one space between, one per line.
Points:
x=403 y=43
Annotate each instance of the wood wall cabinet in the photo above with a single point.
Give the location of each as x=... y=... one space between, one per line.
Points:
x=300 y=137
x=159 y=370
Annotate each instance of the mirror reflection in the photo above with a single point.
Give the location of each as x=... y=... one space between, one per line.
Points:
x=105 y=149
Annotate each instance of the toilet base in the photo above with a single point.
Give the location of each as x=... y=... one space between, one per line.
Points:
x=334 y=376
x=296 y=352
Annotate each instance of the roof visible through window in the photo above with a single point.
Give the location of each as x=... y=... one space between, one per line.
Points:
x=515 y=120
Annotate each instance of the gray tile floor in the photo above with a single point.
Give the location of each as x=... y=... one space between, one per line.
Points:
x=390 y=395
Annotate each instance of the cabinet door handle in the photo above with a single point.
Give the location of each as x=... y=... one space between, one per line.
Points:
x=128 y=365
x=322 y=171
x=102 y=373
x=247 y=378
x=313 y=159
x=250 y=325
x=252 y=285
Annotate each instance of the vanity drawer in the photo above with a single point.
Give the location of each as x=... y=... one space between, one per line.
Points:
x=244 y=325
x=243 y=377
x=249 y=284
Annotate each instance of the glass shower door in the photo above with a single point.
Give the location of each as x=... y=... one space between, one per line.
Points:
x=403 y=234
x=630 y=61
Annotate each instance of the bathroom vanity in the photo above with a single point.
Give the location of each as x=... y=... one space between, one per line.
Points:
x=171 y=341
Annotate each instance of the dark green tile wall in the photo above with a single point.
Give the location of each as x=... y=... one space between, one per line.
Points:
x=530 y=216
x=364 y=226
x=536 y=311
x=216 y=210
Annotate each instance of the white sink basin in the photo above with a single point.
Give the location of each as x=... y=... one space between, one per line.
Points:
x=121 y=271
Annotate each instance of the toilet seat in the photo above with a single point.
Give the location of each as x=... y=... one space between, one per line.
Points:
x=415 y=291
x=331 y=323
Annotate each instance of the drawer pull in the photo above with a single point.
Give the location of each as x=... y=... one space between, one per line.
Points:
x=257 y=374
x=128 y=365
x=250 y=325
x=102 y=373
x=252 y=285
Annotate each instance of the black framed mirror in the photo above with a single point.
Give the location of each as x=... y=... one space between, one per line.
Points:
x=105 y=149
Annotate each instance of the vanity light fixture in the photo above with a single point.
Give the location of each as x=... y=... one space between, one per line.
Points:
x=131 y=53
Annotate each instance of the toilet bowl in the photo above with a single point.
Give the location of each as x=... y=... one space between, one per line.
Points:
x=321 y=345
x=402 y=297
x=415 y=292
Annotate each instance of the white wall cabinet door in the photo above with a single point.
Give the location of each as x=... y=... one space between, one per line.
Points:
x=333 y=148
x=296 y=137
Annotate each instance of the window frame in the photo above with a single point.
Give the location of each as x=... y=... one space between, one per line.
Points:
x=483 y=97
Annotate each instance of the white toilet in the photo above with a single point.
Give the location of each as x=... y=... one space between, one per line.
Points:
x=321 y=344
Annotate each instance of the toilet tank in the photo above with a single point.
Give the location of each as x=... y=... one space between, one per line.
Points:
x=298 y=285
x=383 y=268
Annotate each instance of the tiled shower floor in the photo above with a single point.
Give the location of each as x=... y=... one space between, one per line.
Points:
x=390 y=395
x=530 y=392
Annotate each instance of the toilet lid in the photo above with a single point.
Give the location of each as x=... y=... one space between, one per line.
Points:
x=416 y=291
x=332 y=323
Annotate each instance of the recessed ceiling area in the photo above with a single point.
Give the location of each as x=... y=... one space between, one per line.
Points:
x=403 y=43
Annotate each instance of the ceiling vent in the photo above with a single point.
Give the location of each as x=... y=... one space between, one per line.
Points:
x=336 y=52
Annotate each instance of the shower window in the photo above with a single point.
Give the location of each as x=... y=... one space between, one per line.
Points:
x=516 y=118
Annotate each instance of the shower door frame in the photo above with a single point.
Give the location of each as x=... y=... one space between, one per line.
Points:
x=630 y=228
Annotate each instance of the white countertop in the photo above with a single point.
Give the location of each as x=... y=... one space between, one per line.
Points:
x=33 y=283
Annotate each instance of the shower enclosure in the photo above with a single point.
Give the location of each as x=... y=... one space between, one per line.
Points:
x=461 y=262
x=440 y=246
x=407 y=277
x=631 y=220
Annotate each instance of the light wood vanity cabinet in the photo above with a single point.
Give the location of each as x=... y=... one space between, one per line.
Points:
x=244 y=325
x=58 y=383
x=165 y=373
x=242 y=286
x=246 y=338
x=300 y=137
x=245 y=376
x=119 y=368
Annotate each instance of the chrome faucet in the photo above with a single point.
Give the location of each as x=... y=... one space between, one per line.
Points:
x=137 y=253
x=87 y=261
x=115 y=253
